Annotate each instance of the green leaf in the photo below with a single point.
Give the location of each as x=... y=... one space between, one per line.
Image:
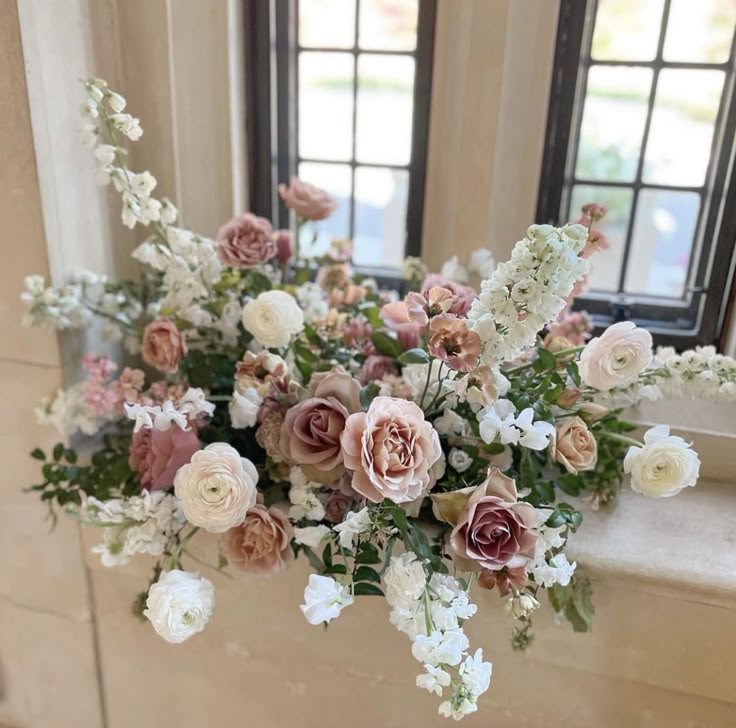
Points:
x=368 y=394
x=414 y=356
x=572 y=370
x=58 y=452
x=386 y=345
x=570 y=484
x=545 y=360
x=70 y=455
x=365 y=573
x=38 y=454
x=327 y=555
x=335 y=569
x=365 y=589
x=367 y=554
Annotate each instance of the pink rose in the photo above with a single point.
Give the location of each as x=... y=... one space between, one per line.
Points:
x=376 y=367
x=306 y=200
x=310 y=435
x=492 y=530
x=617 y=357
x=261 y=543
x=156 y=456
x=394 y=452
x=283 y=245
x=245 y=241
x=163 y=345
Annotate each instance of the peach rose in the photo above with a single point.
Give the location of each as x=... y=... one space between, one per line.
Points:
x=163 y=345
x=156 y=455
x=492 y=530
x=394 y=452
x=260 y=544
x=306 y=200
x=246 y=241
x=574 y=446
x=617 y=357
x=310 y=435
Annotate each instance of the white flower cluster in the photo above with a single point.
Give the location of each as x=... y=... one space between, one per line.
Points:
x=67 y=412
x=141 y=524
x=527 y=292
x=311 y=299
x=161 y=417
x=500 y=420
x=431 y=612
x=303 y=497
x=480 y=262
x=549 y=568
x=324 y=599
x=63 y=308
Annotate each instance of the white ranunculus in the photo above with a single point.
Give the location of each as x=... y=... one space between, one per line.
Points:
x=244 y=408
x=663 y=466
x=459 y=460
x=180 y=604
x=216 y=488
x=273 y=318
x=324 y=599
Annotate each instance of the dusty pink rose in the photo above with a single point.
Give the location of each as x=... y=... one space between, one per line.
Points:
x=492 y=530
x=337 y=506
x=310 y=435
x=357 y=335
x=573 y=445
x=376 y=367
x=348 y=296
x=156 y=456
x=463 y=296
x=163 y=345
x=392 y=450
x=617 y=357
x=306 y=200
x=452 y=341
x=282 y=238
x=260 y=544
x=245 y=241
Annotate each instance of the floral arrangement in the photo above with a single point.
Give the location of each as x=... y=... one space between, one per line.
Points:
x=408 y=446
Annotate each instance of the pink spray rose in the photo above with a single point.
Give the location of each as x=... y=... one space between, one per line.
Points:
x=376 y=367
x=245 y=241
x=617 y=357
x=463 y=295
x=163 y=345
x=306 y=200
x=156 y=455
x=260 y=544
x=283 y=245
x=394 y=452
x=310 y=435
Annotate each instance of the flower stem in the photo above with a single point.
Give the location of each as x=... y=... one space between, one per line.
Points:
x=529 y=364
x=620 y=438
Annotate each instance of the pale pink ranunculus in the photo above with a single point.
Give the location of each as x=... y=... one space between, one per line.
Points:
x=376 y=367
x=246 y=241
x=392 y=450
x=494 y=530
x=617 y=357
x=463 y=296
x=163 y=345
x=155 y=455
x=452 y=341
x=306 y=200
x=260 y=544
x=310 y=434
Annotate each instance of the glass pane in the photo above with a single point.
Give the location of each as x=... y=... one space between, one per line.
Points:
x=681 y=133
x=335 y=179
x=605 y=265
x=388 y=25
x=612 y=129
x=701 y=31
x=627 y=30
x=325 y=105
x=385 y=105
x=327 y=23
x=662 y=242
x=380 y=216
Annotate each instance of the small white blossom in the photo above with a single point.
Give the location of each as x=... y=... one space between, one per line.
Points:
x=459 y=460
x=434 y=679
x=324 y=599
x=353 y=525
x=311 y=536
x=244 y=408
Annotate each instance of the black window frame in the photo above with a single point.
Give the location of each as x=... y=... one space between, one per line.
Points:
x=699 y=318
x=271 y=58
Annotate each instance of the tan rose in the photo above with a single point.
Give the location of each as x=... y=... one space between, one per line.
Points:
x=306 y=200
x=246 y=241
x=394 y=452
x=163 y=345
x=573 y=445
x=261 y=543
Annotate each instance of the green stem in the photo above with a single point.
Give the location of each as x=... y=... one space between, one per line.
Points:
x=620 y=438
x=529 y=364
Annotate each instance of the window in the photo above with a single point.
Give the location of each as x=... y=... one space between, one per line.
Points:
x=642 y=120
x=345 y=84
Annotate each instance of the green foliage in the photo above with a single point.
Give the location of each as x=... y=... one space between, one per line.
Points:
x=574 y=602
x=414 y=356
x=386 y=345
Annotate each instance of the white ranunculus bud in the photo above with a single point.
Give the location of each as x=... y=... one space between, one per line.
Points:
x=216 y=488
x=663 y=466
x=521 y=605
x=273 y=318
x=116 y=102
x=459 y=460
x=244 y=408
x=179 y=604
x=324 y=599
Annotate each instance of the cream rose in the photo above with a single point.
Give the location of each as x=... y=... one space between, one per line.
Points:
x=574 y=446
x=273 y=318
x=617 y=357
x=663 y=466
x=216 y=488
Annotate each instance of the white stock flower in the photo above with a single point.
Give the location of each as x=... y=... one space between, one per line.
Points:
x=157 y=256
x=404 y=580
x=311 y=536
x=482 y=262
x=475 y=673
x=312 y=300
x=180 y=604
x=453 y=270
x=244 y=408
x=434 y=679
x=324 y=599
x=663 y=466
x=216 y=488
x=303 y=497
x=353 y=525
x=273 y=318
x=459 y=460
x=557 y=571
x=440 y=648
